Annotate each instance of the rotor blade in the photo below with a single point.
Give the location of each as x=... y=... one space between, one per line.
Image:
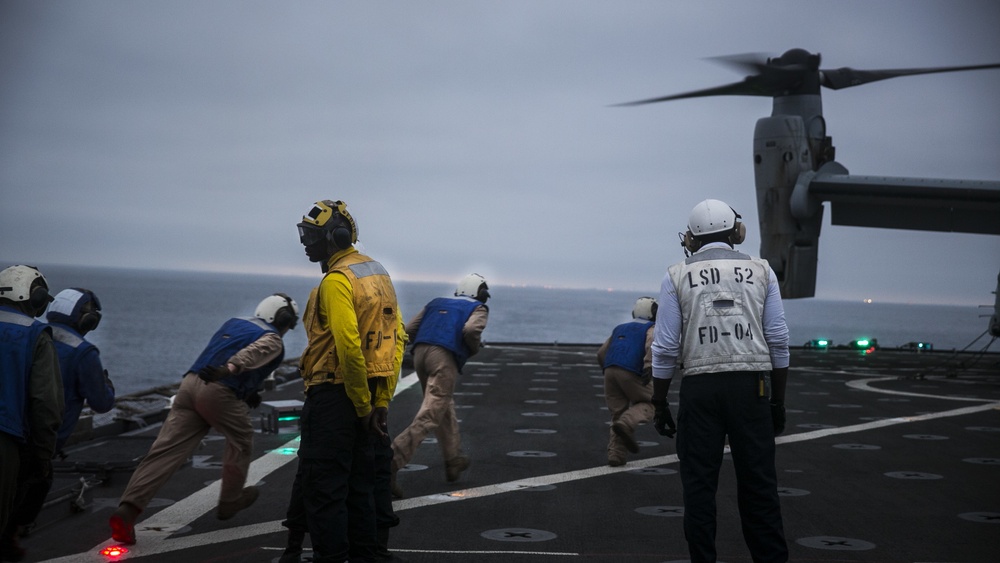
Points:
x=751 y=63
x=846 y=77
x=750 y=86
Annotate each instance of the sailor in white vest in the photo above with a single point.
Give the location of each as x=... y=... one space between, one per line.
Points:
x=721 y=328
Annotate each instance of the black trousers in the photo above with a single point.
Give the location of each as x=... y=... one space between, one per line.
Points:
x=333 y=492
x=713 y=406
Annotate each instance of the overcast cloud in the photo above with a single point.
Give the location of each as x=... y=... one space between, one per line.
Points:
x=469 y=136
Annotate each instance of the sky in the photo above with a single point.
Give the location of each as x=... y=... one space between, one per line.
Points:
x=470 y=136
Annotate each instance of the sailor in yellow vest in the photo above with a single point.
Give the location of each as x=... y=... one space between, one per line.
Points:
x=350 y=368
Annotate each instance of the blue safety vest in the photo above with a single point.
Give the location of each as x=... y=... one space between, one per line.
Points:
x=236 y=334
x=78 y=385
x=442 y=324
x=18 y=336
x=627 y=349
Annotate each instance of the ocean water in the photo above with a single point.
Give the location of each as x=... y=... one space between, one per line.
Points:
x=156 y=323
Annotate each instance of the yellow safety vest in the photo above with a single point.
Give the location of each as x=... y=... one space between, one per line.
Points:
x=378 y=324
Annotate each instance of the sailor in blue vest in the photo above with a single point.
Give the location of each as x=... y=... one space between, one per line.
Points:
x=444 y=335
x=721 y=329
x=31 y=396
x=216 y=393
x=627 y=362
x=72 y=314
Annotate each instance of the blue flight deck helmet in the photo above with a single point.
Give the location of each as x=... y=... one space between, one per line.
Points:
x=76 y=307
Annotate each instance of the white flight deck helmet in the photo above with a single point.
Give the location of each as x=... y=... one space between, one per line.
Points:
x=713 y=216
x=474 y=286
x=645 y=308
x=280 y=310
x=16 y=285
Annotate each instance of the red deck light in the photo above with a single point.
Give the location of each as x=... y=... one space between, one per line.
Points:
x=114 y=551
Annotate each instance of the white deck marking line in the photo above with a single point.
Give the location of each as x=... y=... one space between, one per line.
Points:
x=864 y=385
x=152 y=533
x=471 y=552
x=181 y=513
x=489 y=490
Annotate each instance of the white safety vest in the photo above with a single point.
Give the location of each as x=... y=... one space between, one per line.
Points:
x=721 y=294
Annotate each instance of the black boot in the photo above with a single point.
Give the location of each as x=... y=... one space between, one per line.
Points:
x=293 y=551
x=10 y=548
x=382 y=552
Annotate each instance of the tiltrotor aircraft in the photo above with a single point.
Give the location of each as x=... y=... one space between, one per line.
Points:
x=795 y=171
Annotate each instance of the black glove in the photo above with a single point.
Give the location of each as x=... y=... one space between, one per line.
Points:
x=40 y=468
x=778 y=417
x=253 y=400
x=647 y=376
x=379 y=425
x=663 y=421
x=208 y=374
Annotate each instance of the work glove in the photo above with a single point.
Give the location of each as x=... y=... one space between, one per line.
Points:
x=647 y=376
x=778 y=417
x=208 y=374
x=663 y=421
x=253 y=400
x=35 y=469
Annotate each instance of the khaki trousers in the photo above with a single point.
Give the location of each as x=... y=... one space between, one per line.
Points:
x=198 y=407
x=438 y=373
x=629 y=402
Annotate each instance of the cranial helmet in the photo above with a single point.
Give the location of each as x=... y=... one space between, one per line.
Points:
x=328 y=220
x=25 y=283
x=644 y=308
x=76 y=307
x=474 y=286
x=713 y=216
x=280 y=310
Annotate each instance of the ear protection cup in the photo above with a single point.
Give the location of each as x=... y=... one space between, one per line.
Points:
x=345 y=234
x=89 y=321
x=340 y=237
x=39 y=297
x=483 y=294
x=739 y=233
x=690 y=243
x=285 y=317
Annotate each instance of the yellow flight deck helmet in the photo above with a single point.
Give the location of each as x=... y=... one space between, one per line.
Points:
x=331 y=221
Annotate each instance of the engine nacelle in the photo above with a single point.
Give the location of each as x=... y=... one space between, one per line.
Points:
x=782 y=158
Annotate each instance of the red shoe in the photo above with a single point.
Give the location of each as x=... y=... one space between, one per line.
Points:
x=122 y=523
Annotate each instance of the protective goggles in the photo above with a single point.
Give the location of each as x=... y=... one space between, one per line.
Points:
x=309 y=235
